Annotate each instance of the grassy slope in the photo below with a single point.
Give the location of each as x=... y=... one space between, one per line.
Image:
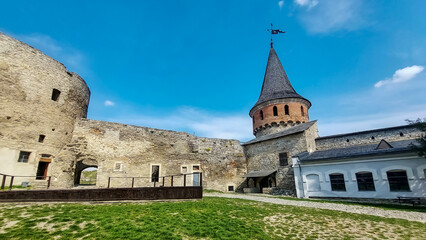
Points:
x=210 y=218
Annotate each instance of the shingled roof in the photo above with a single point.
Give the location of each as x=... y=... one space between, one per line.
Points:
x=289 y=131
x=402 y=146
x=275 y=83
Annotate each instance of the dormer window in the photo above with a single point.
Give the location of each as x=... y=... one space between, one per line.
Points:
x=55 y=94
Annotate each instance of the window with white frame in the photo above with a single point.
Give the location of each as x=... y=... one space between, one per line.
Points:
x=118 y=166
x=398 y=181
x=337 y=181
x=195 y=168
x=365 y=181
x=24 y=156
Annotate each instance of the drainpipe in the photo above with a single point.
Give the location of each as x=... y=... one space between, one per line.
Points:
x=298 y=181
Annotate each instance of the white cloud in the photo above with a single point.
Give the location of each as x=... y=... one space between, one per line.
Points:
x=401 y=75
x=281 y=4
x=73 y=59
x=198 y=122
x=109 y=103
x=306 y=3
x=332 y=15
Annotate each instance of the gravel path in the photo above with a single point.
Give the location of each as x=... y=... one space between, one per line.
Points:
x=411 y=216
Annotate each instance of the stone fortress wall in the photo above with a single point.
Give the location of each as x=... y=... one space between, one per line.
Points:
x=30 y=120
x=120 y=150
x=390 y=134
x=265 y=155
x=43 y=113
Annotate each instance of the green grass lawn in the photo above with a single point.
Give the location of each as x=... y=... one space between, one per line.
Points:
x=210 y=218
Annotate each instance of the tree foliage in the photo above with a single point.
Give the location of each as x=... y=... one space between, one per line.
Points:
x=420 y=147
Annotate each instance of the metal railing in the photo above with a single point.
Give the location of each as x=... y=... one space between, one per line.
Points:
x=12 y=178
x=163 y=181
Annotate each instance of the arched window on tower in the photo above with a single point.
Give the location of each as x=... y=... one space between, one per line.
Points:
x=275 y=109
x=301 y=109
x=261 y=115
x=286 y=111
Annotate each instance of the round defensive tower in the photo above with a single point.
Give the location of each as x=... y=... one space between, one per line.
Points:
x=279 y=106
x=40 y=101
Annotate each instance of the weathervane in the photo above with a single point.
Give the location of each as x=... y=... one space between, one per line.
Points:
x=274 y=31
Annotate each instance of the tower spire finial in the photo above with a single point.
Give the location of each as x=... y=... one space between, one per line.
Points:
x=274 y=31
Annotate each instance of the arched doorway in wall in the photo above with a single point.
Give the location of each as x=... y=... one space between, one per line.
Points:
x=86 y=172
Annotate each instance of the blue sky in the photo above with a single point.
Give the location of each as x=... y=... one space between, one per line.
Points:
x=198 y=66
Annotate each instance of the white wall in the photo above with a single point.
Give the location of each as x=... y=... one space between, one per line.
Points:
x=414 y=166
x=9 y=165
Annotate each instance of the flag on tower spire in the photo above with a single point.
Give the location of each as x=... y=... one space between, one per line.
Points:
x=274 y=31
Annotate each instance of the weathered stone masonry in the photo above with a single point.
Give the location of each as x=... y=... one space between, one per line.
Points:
x=43 y=114
x=30 y=120
x=104 y=144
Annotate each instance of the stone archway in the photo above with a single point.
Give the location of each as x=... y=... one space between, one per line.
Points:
x=82 y=165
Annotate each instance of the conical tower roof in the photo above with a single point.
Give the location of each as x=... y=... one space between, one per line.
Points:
x=275 y=83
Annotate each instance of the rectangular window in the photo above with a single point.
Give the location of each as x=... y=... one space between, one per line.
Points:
x=230 y=188
x=365 y=181
x=283 y=158
x=398 y=181
x=337 y=182
x=155 y=174
x=184 y=169
x=41 y=138
x=118 y=166
x=196 y=168
x=23 y=156
x=55 y=94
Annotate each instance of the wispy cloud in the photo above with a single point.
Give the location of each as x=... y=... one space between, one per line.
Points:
x=401 y=75
x=373 y=107
x=109 y=103
x=306 y=3
x=196 y=121
x=72 y=58
x=281 y=4
x=332 y=15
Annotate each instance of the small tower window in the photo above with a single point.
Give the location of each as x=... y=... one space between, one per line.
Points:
x=261 y=115
x=275 y=109
x=286 y=111
x=283 y=157
x=55 y=94
x=301 y=110
x=41 y=138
